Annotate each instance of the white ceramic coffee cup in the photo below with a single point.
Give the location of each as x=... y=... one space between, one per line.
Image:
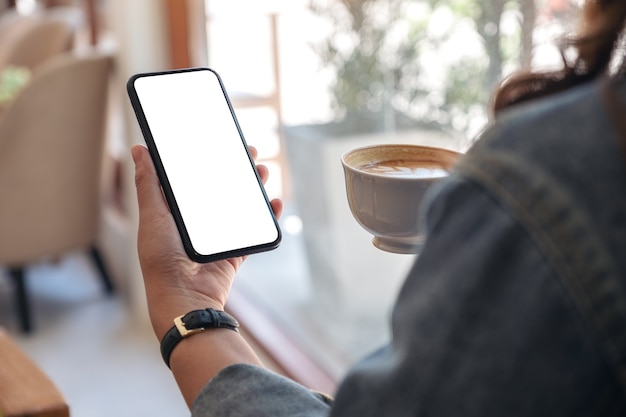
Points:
x=385 y=185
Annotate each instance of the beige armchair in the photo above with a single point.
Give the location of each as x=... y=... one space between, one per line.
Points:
x=28 y=41
x=51 y=153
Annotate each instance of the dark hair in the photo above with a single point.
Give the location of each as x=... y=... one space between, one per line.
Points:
x=596 y=46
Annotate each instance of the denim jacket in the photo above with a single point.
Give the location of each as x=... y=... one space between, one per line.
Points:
x=517 y=304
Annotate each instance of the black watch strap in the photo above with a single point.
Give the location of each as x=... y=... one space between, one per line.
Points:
x=194 y=322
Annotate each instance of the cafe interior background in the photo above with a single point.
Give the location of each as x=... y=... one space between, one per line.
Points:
x=309 y=80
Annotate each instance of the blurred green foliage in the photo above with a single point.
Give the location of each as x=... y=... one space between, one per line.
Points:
x=432 y=61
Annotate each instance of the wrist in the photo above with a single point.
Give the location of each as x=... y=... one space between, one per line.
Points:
x=163 y=312
x=166 y=303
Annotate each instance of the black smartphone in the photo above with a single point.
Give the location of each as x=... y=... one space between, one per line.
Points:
x=207 y=174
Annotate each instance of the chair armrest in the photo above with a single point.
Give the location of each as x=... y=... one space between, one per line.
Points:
x=24 y=389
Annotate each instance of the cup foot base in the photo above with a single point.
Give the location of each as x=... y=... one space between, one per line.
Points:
x=402 y=247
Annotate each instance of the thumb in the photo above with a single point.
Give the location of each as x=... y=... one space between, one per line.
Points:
x=149 y=195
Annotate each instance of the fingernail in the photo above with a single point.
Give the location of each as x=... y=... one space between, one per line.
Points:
x=135 y=153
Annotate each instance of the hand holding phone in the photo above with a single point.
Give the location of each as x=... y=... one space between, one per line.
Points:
x=206 y=171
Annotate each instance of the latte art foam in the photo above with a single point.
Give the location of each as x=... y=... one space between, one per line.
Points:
x=404 y=168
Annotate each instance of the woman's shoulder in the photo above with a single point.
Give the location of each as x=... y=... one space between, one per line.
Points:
x=564 y=118
x=556 y=165
x=567 y=139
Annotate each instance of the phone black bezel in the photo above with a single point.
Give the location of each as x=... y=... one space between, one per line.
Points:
x=165 y=184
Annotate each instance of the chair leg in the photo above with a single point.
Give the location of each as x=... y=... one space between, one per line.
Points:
x=104 y=274
x=23 y=308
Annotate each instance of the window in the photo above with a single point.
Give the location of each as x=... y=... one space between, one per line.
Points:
x=353 y=73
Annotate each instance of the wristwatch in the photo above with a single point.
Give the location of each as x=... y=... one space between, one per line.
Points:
x=194 y=322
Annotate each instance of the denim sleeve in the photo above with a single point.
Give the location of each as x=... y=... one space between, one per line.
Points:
x=482 y=327
x=250 y=391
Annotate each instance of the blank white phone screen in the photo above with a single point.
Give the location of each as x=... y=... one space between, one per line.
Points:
x=213 y=181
